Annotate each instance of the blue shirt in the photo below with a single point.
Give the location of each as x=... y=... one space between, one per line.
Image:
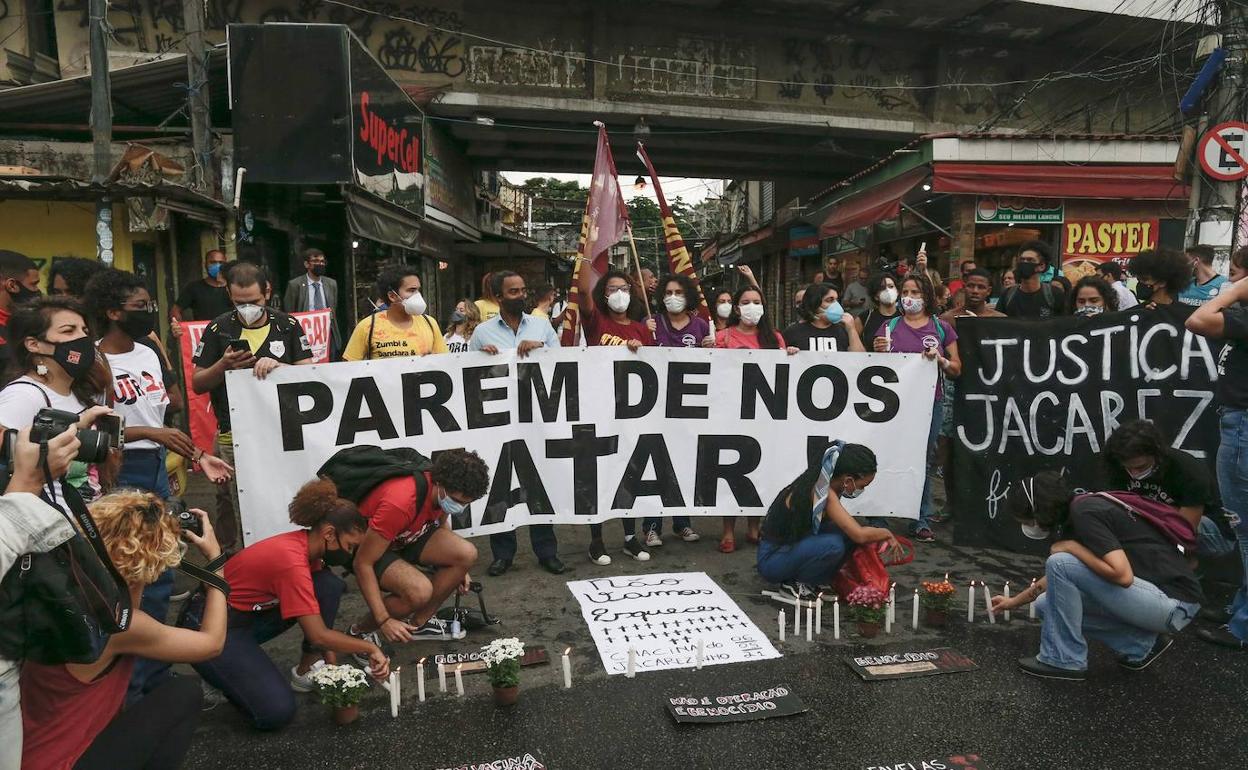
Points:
x=1199 y=293
x=496 y=332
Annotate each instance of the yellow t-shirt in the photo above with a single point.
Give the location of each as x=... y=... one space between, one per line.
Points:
x=487 y=309
x=389 y=341
x=539 y=313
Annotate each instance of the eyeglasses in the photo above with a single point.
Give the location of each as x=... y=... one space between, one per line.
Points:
x=616 y=289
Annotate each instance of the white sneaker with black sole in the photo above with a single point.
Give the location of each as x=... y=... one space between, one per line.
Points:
x=653 y=540
x=632 y=546
x=598 y=555
x=303 y=682
x=689 y=536
x=436 y=629
x=799 y=591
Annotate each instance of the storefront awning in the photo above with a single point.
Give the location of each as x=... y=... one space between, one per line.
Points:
x=873 y=205
x=376 y=220
x=1121 y=182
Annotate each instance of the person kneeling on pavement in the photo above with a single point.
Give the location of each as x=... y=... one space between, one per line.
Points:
x=276 y=583
x=1112 y=575
x=807 y=533
x=408 y=525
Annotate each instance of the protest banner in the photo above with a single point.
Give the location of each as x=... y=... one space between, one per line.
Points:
x=525 y=761
x=770 y=702
x=1044 y=395
x=580 y=436
x=904 y=665
x=965 y=761
x=662 y=617
x=203 y=422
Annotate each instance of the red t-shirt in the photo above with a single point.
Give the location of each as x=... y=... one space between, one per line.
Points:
x=391 y=510
x=602 y=330
x=734 y=338
x=274 y=572
x=61 y=716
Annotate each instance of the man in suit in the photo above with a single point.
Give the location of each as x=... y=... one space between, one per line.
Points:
x=315 y=291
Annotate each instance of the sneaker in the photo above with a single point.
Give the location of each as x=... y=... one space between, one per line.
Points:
x=1033 y=667
x=436 y=629
x=941 y=517
x=633 y=548
x=372 y=636
x=799 y=591
x=212 y=697
x=303 y=682
x=1161 y=645
x=1222 y=637
x=1216 y=615
x=689 y=536
x=924 y=535
x=653 y=540
x=598 y=554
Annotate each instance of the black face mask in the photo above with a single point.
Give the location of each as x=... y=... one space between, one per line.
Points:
x=1025 y=270
x=24 y=295
x=318 y=270
x=339 y=557
x=457 y=317
x=137 y=324
x=513 y=306
x=1144 y=292
x=76 y=357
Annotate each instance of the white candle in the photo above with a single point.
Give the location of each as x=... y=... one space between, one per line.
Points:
x=892 y=603
x=420 y=680
x=914 y=621
x=992 y=617
x=442 y=677
x=782 y=624
x=819 y=614
x=810 y=622
x=797 y=617
x=1031 y=608
x=567 y=670
x=888 y=338
x=459 y=680
x=888 y=618
x=394 y=694
x=836 y=617
x=631 y=671
x=1007 y=599
x=701 y=654
x=970 y=603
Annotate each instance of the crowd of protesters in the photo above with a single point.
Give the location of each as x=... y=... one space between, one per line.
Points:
x=90 y=348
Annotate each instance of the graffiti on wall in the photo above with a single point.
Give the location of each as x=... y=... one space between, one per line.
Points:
x=842 y=68
x=542 y=66
x=714 y=68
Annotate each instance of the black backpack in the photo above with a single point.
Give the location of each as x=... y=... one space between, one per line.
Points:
x=1046 y=293
x=358 y=470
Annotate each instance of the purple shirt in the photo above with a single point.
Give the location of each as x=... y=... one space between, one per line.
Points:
x=909 y=340
x=689 y=337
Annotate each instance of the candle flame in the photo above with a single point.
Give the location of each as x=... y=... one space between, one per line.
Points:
x=459 y=667
x=421 y=662
x=565 y=652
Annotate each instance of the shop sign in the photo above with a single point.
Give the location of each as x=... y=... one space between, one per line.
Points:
x=803 y=241
x=388 y=132
x=449 y=184
x=1004 y=209
x=1089 y=242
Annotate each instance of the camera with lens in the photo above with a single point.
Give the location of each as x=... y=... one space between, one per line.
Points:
x=187 y=520
x=50 y=423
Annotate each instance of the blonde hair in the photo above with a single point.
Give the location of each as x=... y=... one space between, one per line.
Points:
x=472 y=318
x=141 y=537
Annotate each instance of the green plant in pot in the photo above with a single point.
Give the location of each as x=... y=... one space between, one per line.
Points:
x=936 y=599
x=502 y=661
x=341 y=688
x=866 y=606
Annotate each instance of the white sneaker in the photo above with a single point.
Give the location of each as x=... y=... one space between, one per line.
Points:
x=689 y=536
x=652 y=539
x=598 y=555
x=633 y=548
x=303 y=682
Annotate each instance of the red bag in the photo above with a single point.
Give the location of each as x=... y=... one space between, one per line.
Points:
x=865 y=567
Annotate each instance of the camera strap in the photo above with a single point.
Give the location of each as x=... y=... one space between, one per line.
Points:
x=81 y=517
x=205 y=576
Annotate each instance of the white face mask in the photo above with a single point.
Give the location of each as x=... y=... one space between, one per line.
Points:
x=415 y=304
x=674 y=304
x=249 y=314
x=1088 y=310
x=1032 y=532
x=887 y=296
x=851 y=495
x=619 y=301
x=911 y=305
x=1140 y=475
x=723 y=310
x=751 y=313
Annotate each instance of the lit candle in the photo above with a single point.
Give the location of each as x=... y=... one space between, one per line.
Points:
x=459 y=680
x=442 y=677
x=701 y=654
x=797 y=617
x=420 y=680
x=1031 y=608
x=819 y=614
x=567 y=670
x=631 y=671
x=914 y=620
x=810 y=622
x=1007 y=599
x=888 y=618
x=970 y=603
x=782 y=624
x=892 y=603
x=836 y=617
x=394 y=694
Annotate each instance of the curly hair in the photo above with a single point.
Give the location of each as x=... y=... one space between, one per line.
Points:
x=109 y=290
x=1135 y=438
x=812 y=299
x=317 y=503
x=392 y=278
x=925 y=288
x=76 y=271
x=1163 y=265
x=693 y=297
x=875 y=285
x=459 y=470
x=1108 y=295
x=140 y=535
x=636 y=305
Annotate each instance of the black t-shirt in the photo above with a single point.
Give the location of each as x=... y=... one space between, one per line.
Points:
x=1020 y=304
x=1233 y=360
x=871 y=326
x=1102 y=527
x=203 y=300
x=284 y=341
x=806 y=336
x=1179 y=480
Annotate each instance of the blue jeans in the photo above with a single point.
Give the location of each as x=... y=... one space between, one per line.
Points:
x=812 y=560
x=541 y=537
x=145 y=469
x=655 y=523
x=1233 y=483
x=1077 y=603
x=926 y=508
x=245 y=674
x=1211 y=542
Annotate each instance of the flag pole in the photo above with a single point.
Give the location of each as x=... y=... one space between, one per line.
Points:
x=641 y=281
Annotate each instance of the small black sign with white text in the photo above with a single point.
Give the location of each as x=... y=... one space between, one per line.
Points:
x=778 y=701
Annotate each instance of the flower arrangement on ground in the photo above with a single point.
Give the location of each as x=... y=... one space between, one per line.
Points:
x=340 y=687
x=502 y=661
x=866 y=604
x=936 y=595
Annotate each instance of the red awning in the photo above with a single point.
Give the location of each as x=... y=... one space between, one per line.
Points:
x=873 y=205
x=1123 y=182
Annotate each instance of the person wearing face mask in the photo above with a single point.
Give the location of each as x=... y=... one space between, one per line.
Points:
x=204 y=298
x=1092 y=296
x=409 y=524
x=1161 y=276
x=882 y=288
x=829 y=328
x=275 y=584
x=315 y=291
x=1032 y=297
x=463 y=322
x=807 y=533
x=252 y=336
x=1139 y=459
x=917 y=331
x=404 y=329
x=721 y=311
x=1111 y=273
x=19 y=276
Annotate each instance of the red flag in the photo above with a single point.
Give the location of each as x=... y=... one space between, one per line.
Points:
x=603 y=225
x=678 y=259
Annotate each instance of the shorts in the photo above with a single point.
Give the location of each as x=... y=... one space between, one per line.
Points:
x=946 y=419
x=409 y=553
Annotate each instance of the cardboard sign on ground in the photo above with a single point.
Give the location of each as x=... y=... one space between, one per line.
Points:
x=938 y=762
x=778 y=701
x=473 y=664
x=526 y=761
x=903 y=665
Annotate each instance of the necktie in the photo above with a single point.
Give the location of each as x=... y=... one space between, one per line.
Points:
x=318 y=299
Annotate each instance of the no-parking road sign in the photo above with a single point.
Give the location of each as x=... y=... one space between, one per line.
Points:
x=1223 y=151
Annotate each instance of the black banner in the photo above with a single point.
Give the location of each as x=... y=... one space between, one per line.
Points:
x=904 y=665
x=776 y=701
x=968 y=761
x=1044 y=395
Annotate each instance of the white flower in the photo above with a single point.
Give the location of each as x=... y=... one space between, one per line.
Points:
x=501 y=650
x=339 y=677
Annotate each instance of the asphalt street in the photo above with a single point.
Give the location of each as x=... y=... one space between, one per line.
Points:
x=1186 y=710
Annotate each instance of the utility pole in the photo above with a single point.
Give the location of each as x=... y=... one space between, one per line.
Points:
x=203 y=177
x=101 y=128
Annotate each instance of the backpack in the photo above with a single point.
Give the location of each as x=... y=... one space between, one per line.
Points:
x=357 y=470
x=1046 y=291
x=940 y=328
x=1166 y=519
